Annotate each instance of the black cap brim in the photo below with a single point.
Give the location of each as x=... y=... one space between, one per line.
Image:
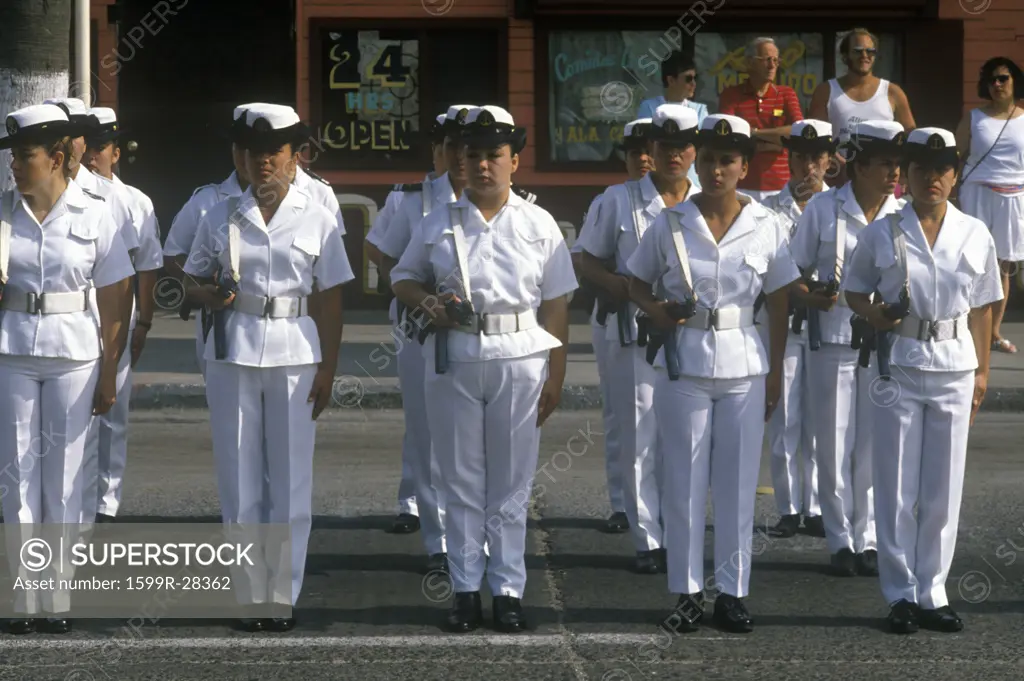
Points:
x=713 y=140
x=272 y=140
x=42 y=135
x=937 y=158
x=492 y=138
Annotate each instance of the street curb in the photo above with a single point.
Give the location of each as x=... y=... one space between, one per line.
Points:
x=354 y=395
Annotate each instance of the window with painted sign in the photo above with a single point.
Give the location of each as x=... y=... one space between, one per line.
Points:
x=721 y=62
x=369 y=98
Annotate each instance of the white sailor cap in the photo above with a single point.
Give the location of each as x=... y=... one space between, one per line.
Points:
x=935 y=145
x=437 y=132
x=674 y=122
x=77 y=112
x=270 y=126
x=240 y=110
x=723 y=131
x=810 y=135
x=36 y=124
x=492 y=126
x=108 y=129
x=456 y=116
x=877 y=135
x=635 y=134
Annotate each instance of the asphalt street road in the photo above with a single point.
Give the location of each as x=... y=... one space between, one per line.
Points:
x=369 y=613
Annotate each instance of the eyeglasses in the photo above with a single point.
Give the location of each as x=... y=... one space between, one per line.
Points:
x=690 y=78
x=770 y=61
x=1001 y=78
x=869 y=51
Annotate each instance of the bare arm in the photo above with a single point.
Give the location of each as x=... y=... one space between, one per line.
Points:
x=819 y=103
x=325 y=307
x=554 y=317
x=777 y=304
x=109 y=300
x=374 y=254
x=901 y=107
x=980 y=322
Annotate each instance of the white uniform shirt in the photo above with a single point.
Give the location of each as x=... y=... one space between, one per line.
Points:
x=615 y=232
x=410 y=212
x=516 y=261
x=752 y=256
x=785 y=206
x=814 y=249
x=384 y=217
x=321 y=192
x=118 y=202
x=149 y=257
x=960 y=274
x=76 y=248
x=186 y=222
x=588 y=223
x=301 y=244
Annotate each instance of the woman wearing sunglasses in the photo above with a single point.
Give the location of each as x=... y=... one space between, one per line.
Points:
x=992 y=188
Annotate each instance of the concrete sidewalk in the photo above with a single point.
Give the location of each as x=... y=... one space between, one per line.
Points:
x=168 y=376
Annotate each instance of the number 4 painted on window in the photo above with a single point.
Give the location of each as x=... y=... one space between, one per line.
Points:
x=388 y=68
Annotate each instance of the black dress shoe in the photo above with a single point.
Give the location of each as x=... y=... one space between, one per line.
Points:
x=55 y=625
x=437 y=562
x=844 y=564
x=279 y=624
x=466 y=613
x=942 y=619
x=508 y=615
x=731 y=615
x=648 y=562
x=405 y=523
x=867 y=563
x=104 y=518
x=20 y=627
x=687 y=615
x=617 y=523
x=250 y=624
x=786 y=527
x=903 y=617
x=814 y=526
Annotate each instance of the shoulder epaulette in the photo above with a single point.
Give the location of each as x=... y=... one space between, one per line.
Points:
x=413 y=187
x=525 y=195
x=205 y=186
x=316 y=177
x=92 y=195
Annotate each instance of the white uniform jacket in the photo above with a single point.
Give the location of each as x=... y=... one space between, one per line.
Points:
x=814 y=248
x=623 y=216
x=588 y=223
x=76 y=248
x=516 y=261
x=321 y=192
x=301 y=246
x=149 y=257
x=186 y=222
x=118 y=201
x=410 y=211
x=959 y=274
x=752 y=256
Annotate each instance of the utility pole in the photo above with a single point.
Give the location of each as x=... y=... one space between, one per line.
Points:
x=35 y=46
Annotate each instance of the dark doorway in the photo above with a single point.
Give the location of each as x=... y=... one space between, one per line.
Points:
x=183 y=67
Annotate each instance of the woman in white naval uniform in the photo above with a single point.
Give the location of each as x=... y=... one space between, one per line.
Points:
x=992 y=188
x=507 y=260
x=790 y=432
x=416 y=447
x=419 y=505
x=939 y=373
x=636 y=145
x=58 y=361
x=281 y=248
x=101 y=157
x=719 y=250
x=625 y=213
x=825 y=238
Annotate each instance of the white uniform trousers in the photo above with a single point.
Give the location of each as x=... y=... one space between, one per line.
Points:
x=632 y=388
x=248 y=405
x=483 y=418
x=47 y=411
x=416 y=450
x=113 y=441
x=920 y=454
x=845 y=418
x=791 y=433
x=711 y=431
x=612 y=452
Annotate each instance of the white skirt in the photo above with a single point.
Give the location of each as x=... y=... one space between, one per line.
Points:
x=1002 y=214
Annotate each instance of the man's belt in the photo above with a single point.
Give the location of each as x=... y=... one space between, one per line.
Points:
x=275 y=308
x=721 y=319
x=495 y=324
x=45 y=303
x=925 y=330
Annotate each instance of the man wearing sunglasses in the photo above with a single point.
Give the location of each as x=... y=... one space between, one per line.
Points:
x=859 y=95
x=679 y=77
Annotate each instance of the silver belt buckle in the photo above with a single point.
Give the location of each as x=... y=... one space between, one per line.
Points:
x=32 y=303
x=712 y=321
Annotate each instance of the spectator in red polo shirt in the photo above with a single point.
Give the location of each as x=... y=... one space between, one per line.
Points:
x=770 y=110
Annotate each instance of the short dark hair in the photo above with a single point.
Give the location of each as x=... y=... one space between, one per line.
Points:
x=844 y=44
x=676 y=63
x=989 y=68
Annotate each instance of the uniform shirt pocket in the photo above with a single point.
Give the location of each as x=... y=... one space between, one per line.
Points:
x=890 y=274
x=82 y=238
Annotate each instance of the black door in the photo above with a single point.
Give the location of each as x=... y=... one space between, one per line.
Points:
x=180 y=77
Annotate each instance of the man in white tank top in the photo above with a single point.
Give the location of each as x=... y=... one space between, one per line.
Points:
x=859 y=95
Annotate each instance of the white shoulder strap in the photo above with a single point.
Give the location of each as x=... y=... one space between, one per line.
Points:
x=840 y=239
x=461 y=249
x=6 y=211
x=676 y=224
x=636 y=203
x=899 y=246
x=234 y=237
x=428 y=198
